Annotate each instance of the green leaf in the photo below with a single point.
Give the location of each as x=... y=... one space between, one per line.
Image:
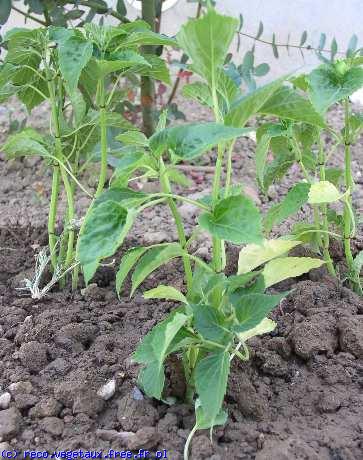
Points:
x=253 y=255
x=147 y=37
x=25 y=143
x=211 y=377
x=324 y=192
x=103 y=231
x=198 y=91
x=133 y=138
x=234 y=219
x=264 y=327
x=251 y=309
x=32 y=98
x=165 y=292
x=123 y=60
x=121 y=8
x=202 y=422
x=127 y=197
x=261 y=70
x=153 y=350
x=206 y=41
x=249 y=105
x=152 y=260
x=296 y=197
x=191 y=140
x=126 y=265
x=303 y=38
x=288 y=103
x=358 y=262
x=288 y=267
x=209 y=322
x=5 y=9
x=328 y=88
x=73 y=54
x=156 y=69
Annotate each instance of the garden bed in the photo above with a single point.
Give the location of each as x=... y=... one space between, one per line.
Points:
x=299 y=397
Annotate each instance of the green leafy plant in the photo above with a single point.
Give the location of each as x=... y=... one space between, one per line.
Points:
x=299 y=138
x=77 y=71
x=217 y=313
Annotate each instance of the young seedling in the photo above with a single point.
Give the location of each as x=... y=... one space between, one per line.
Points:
x=72 y=69
x=298 y=138
x=217 y=313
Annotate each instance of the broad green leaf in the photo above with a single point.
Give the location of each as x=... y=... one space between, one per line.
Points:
x=209 y=322
x=198 y=91
x=73 y=54
x=133 y=138
x=79 y=106
x=227 y=91
x=254 y=255
x=358 y=262
x=26 y=142
x=296 y=197
x=211 y=376
x=147 y=37
x=288 y=103
x=152 y=260
x=262 y=148
x=127 y=197
x=191 y=140
x=281 y=163
x=89 y=270
x=165 y=292
x=156 y=69
x=123 y=60
x=326 y=87
x=153 y=350
x=5 y=9
x=127 y=263
x=251 y=309
x=103 y=231
x=288 y=267
x=202 y=422
x=264 y=327
x=206 y=41
x=30 y=96
x=250 y=104
x=324 y=192
x=234 y=219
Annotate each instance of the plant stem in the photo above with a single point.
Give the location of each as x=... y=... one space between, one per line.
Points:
x=103 y=140
x=52 y=217
x=348 y=185
x=324 y=208
x=229 y=170
x=147 y=83
x=165 y=185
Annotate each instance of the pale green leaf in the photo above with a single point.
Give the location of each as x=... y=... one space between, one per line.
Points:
x=206 y=41
x=254 y=255
x=147 y=37
x=198 y=91
x=127 y=263
x=165 y=292
x=234 y=219
x=133 y=138
x=202 y=422
x=191 y=140
x=24 y=143
x=324 y=192
x=288 y=267
x=288 y=103
x=264 y=327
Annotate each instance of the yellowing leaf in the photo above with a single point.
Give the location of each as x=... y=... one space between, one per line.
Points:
x=165 y=292
x=254 y=255
x=265 y=326
x=324 y=192
x=288 y=267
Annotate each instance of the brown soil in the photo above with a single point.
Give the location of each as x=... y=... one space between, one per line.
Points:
x=299 y=397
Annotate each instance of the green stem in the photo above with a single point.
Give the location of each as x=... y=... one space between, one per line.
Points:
x=348 y=185
x=165 y=185
x=103 y=128
x=229 y=170
x=324 y=208
x=52 y=217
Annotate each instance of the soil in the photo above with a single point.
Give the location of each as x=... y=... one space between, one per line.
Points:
x=67 y=380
